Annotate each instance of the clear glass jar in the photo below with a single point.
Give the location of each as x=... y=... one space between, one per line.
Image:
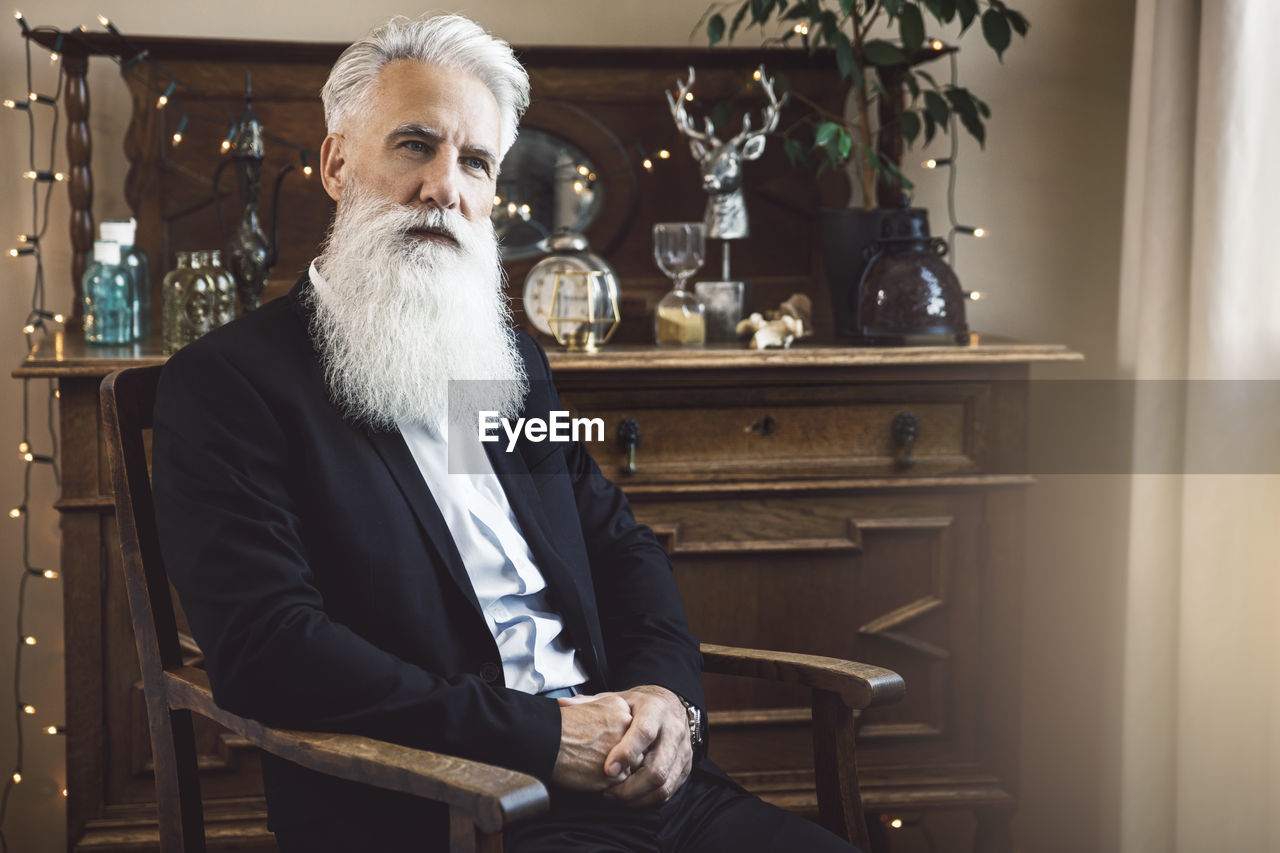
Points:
x=680 y=319
x=224 y=307
x=136 y=262
x=107 y=288
x=174 y=305
x=679 y=249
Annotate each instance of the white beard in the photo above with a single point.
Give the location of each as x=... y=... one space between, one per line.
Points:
x=409 y=330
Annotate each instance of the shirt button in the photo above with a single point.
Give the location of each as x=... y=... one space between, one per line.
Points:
x=489 y=672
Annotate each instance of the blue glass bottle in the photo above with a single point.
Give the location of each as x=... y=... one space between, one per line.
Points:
x=134 y=259
x=108 y=297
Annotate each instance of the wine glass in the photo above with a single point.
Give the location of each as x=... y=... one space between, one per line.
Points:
x=679 y=249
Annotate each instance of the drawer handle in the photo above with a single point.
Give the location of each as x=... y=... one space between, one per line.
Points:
x=628 y=439
x=766 y=426
x=906 y=429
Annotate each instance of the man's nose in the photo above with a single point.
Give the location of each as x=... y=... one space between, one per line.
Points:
x=439 y=186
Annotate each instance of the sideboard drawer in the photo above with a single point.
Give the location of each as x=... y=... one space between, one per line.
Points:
x=781 y=432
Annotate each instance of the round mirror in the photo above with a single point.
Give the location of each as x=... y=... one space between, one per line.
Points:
x=545 y=183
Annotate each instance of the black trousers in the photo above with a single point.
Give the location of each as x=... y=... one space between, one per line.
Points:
x=709 y=814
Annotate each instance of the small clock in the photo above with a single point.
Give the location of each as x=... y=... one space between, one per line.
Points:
x=568 y=252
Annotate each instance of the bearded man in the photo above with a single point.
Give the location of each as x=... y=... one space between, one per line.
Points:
x=349 y=562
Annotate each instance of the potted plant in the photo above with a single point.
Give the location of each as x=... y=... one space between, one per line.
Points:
x=880 y=49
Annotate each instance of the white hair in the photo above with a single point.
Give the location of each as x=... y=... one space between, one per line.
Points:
x=448 y=41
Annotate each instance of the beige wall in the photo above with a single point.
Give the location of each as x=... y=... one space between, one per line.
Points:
x=1048 y=186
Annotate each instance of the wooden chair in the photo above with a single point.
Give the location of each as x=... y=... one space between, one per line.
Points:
x=482 y=799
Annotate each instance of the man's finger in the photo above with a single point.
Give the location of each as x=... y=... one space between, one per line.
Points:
x=629 y=752
x=580 y=699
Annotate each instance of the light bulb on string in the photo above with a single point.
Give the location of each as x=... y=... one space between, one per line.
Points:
x=22 y=22
x=110 y=27
x=29 y=329
x=22 y=250
x=972 y=230
x=56 y=54
x=49 y=574
x=23 y=447
x=11 y=104
x=28 y=709
x=17 y=777
x=306 y=166
x=164 y=98
x=664 y=154
x=935 y=162
x=177 y=134
x=29 y=640
x=37 y=98
x=648 y=164
x=937 y=44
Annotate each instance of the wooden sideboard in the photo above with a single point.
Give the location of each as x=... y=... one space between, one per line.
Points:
x=794 y=521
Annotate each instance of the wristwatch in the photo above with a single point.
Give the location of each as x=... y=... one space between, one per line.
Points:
x=697 y=723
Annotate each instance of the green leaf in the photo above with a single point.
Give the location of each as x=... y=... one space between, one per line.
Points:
x=781 y=84
x=844 y=144
x=846 y=61
x=795 y=12
x=968 y=10
x=911 y=28
x=926 y=75
x=825 y=134
x=946 y=10
x=892 y=7
x=794 y=149
x=1018 y=22
x=934 y=7
x=757 y=11
x=715 y=29
x=881 y=52
x=912 y=86
x=935 y=106
x=737 y=19
x=967 y=110
x=995 y=29
x=930 y=128
x=910 y=127
x=848 y=7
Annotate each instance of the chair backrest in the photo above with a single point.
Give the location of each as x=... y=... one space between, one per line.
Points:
x=127 y=400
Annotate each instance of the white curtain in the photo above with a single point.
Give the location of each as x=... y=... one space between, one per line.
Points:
x=1200 y=300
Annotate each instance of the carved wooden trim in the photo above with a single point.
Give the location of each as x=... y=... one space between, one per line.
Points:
x=79 y=174
x=669 y=537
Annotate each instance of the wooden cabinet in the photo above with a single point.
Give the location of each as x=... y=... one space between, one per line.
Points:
x=783 y=491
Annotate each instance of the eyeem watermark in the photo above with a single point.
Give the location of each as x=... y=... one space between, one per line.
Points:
x=559 y=427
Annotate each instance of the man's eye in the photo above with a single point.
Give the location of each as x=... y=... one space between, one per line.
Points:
x=416 y=145
x=478 y=163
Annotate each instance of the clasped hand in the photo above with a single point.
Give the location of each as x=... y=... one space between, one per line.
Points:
x=633 y=746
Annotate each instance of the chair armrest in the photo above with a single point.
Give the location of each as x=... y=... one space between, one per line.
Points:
x=494 y=796
x=862 y=685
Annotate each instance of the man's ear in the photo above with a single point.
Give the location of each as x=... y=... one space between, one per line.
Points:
x=333 y=165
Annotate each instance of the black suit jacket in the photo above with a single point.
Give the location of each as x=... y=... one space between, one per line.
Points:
x=322 y=583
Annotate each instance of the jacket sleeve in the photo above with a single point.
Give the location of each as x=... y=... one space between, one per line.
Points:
x=232 y=541
x=642 y=619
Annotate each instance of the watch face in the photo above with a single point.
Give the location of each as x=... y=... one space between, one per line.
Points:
x=540 y=285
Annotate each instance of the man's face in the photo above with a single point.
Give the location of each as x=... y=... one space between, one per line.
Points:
x=429 y=137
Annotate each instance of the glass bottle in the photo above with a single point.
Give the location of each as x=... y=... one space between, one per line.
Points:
x=202 y=294
x=174 y=304
x=225 y=290
x=134 y=259
x=108 y=297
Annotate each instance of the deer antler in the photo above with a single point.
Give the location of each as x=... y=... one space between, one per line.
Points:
x=682 y=119
x=772 y=112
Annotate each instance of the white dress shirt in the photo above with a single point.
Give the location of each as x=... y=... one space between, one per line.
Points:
x=512 y=593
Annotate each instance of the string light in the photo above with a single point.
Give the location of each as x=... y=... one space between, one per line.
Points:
x=177 y=134
x=801 y=29
x=664 y=154
x=975 y=295
x=164 y=98
x=56 y=54
x=37 y=98
x=43 y=176
x=17 y=777
x=755 y=75
x=936 y=44
x=29 y=329
x=306 y=166
x=28 y=238
x=22 y=250
x=22 y=22
x=935 y=162
x=976 y=231
x=49 y=574
x=688 y=96
x=28 y=709
x=11 y=104
x=29 y=640
x=648 y=164
x=106 y=22
x=23 y=447
x=64 y=792
x=16 y=512
x=896 y=823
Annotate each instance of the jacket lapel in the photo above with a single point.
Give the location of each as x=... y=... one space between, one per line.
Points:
x=395 y=454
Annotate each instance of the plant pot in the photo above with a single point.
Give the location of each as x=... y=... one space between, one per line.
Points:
x=847 y=236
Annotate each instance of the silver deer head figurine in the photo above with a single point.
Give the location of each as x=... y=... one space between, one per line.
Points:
x=721 y=162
